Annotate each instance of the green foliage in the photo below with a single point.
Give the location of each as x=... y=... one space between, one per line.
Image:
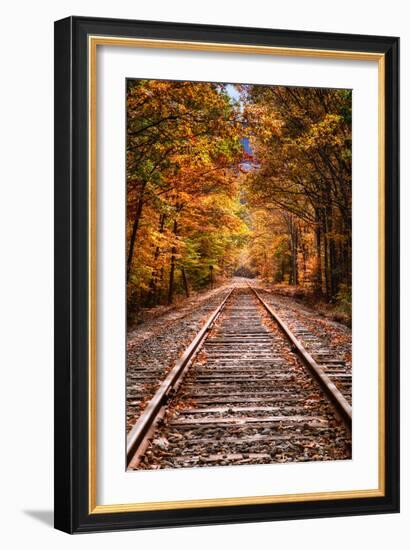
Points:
x=344 y=299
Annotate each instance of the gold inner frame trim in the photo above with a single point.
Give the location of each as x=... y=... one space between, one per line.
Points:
x=93 y=42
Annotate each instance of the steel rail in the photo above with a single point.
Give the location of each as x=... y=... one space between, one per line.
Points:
x=141 y=429
x=336 y=397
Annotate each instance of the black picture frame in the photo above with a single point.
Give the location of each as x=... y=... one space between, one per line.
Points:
x=72 y=511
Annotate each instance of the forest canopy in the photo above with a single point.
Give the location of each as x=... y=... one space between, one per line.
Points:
x=236 y=179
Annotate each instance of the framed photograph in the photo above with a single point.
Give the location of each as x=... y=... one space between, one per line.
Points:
x=226 y=274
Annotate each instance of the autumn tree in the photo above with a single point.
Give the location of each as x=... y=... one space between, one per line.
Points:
x=301 y=140
x=213 y=185
x=183 y=150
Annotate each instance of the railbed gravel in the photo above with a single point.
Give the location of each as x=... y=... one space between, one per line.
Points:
x=154 y=347
x=179 y=445
x=334 y=336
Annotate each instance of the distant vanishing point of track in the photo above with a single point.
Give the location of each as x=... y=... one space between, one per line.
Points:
x=245 y=392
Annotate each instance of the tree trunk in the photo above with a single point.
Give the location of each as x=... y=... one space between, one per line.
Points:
x=160 y=285
x=304 y=258
x=185 y=281
x=134 y=232
x=172 y=268
x=319 y=274
x=282 y=269
x=296 y=248
x=294 y=252
x=332 y=256
x=327 y=259
x=154 y=278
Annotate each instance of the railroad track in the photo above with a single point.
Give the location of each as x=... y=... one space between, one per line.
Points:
x=145 y=370
x=333 y=364
x=246 y=391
